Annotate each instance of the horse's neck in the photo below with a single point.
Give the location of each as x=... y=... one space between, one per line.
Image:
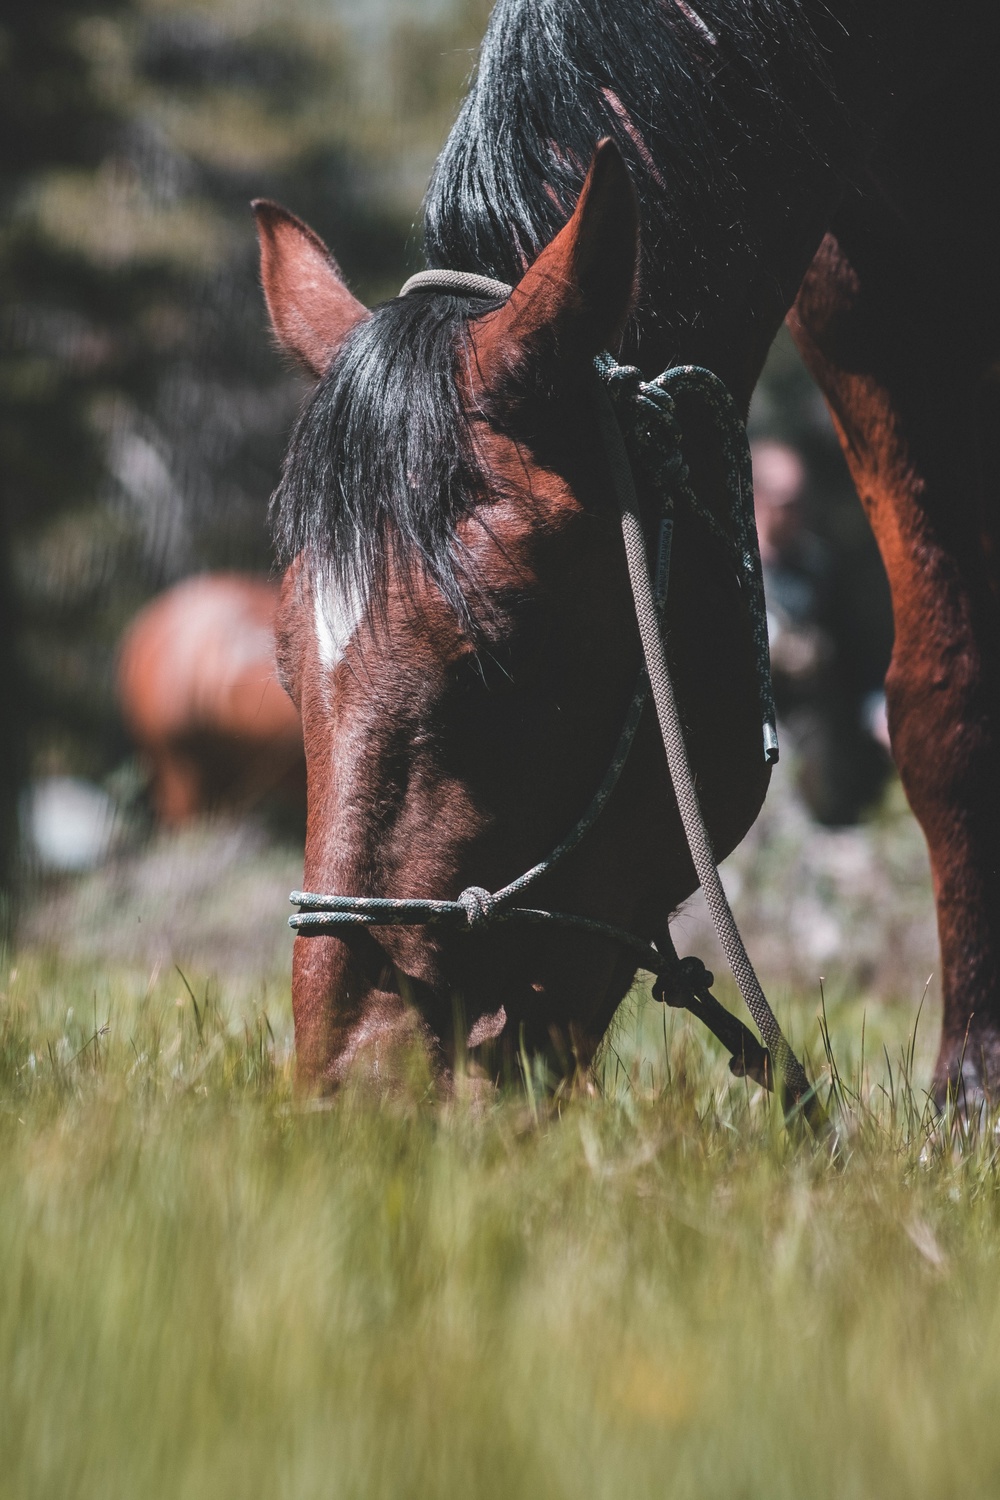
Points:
x=722 y=258
x=723 y=310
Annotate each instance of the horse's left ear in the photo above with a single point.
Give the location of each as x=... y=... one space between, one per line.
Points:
x=575 y=297
x=311 y=309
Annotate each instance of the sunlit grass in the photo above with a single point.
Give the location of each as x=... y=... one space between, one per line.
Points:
x=647 y=1290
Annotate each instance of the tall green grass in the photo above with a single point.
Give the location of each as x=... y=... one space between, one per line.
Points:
x=646 y=1289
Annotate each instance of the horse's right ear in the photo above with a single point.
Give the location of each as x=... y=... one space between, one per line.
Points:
x=311 y=309
x=575 y=297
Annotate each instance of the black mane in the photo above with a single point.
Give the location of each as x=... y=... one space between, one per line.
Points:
x=381 y=456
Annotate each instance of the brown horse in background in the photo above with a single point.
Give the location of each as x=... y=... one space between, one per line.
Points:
x=455 y=623
x=199 y=694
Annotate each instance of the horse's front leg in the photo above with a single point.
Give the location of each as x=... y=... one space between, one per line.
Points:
x=909 y=403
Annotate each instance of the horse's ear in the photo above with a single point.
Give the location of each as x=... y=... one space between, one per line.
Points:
x=575 y=297
x=311 y=309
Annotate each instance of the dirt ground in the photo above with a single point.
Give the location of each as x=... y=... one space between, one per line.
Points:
x=212 y=898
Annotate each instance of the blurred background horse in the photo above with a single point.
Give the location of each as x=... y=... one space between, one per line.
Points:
x=199 y=695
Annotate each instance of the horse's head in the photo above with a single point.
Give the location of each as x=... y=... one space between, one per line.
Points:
x=457 y=628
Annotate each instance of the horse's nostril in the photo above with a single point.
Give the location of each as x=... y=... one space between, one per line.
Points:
x=487 y=1028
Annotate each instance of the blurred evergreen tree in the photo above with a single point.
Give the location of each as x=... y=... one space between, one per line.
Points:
x=144 y=408
x=52 y=115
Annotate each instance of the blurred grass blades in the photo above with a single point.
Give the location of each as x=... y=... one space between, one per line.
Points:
x=641 y=1288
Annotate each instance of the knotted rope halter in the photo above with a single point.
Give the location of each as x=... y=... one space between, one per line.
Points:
x=647 y=412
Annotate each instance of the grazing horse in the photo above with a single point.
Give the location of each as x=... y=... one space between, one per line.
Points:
x=656 y=178
x=200 y=696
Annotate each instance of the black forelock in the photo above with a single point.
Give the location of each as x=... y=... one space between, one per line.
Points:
x=380 y=462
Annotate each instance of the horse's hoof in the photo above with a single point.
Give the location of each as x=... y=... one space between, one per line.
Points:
x=969 y=1088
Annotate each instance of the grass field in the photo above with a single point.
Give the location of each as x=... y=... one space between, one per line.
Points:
x=208 y=1291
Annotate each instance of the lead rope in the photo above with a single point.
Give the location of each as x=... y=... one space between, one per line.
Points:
x=798 y=1090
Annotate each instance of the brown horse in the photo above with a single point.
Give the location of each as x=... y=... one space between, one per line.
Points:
x=199 y=694
x=455 y=621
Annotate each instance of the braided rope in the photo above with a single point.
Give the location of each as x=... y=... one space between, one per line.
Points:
x=474 y=908
x=702 y=855
x=462 y=283
x=648 y=412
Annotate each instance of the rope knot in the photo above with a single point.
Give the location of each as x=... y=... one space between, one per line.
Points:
x=478 y=905
x=677 y=982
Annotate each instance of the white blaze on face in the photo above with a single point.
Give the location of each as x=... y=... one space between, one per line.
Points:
x=337 y=612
